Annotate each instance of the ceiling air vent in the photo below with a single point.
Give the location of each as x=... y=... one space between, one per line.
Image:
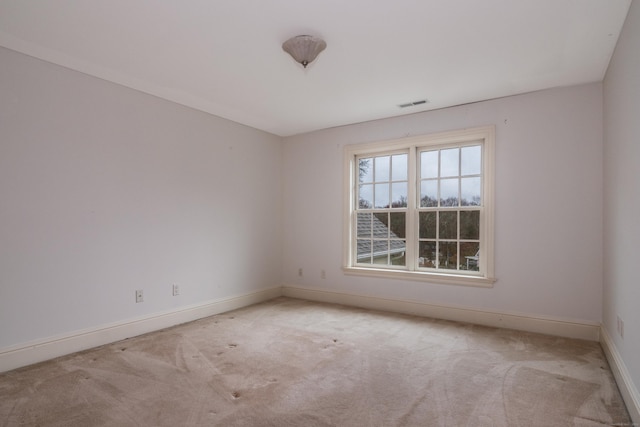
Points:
x=413 y=104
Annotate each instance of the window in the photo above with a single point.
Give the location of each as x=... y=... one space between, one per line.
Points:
x=422 y=208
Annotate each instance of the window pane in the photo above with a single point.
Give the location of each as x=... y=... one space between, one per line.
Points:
x=470 y=225
x=448 y=225
x=428 y=164
x=470 y=188
x=364 y=251
x=399 y=195
x=399 y=164
x=449 y=192
x=469 y=254
x=427 y=255
x=398 y=225
x=365 y=171
x=381 y=252
x=398 y=248
x=366 y=197
x=448 y=256
x=428 y=225
x=364 y=225
x=471 y=160
x=380 y=225
x=382 y=196
x=382 y=168
x=429 y=193
x=449 y=160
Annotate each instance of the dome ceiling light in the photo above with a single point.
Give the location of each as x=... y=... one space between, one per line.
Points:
x=304 y=49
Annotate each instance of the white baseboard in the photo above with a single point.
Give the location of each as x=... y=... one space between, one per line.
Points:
x=623 y=378
x=41 y=350
x=49 y=348
x=557 y=327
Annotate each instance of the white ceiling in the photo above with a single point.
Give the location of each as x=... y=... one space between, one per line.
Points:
x=225 y=57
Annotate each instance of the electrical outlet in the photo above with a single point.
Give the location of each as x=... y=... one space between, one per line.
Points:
x=139 y=295
x=300 y=272
x=176 y=290
x=323 y=275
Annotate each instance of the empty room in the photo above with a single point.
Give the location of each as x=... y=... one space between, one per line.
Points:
x=305 y=213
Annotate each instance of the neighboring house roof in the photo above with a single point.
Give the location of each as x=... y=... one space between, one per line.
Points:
x=380 y=231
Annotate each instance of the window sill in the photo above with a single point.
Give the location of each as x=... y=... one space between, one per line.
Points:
x=438 y=278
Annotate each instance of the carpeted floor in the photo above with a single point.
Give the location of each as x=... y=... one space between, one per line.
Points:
x=289 y=362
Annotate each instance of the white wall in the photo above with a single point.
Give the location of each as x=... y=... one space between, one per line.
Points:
x=622 y=194
x=104 y=190
x=548 y=205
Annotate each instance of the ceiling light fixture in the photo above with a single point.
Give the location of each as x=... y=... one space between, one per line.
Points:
x=304 y=49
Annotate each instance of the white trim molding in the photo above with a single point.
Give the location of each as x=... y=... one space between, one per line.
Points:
x=52 y=347
x=528 y=323
x=61 y=345
x=625 y=383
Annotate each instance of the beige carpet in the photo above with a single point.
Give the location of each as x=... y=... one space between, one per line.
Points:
x=296 y=363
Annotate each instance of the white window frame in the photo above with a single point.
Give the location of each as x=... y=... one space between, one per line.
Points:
x=412 y=145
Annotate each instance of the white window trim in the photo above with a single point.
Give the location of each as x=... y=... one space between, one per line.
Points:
x=487 y=134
